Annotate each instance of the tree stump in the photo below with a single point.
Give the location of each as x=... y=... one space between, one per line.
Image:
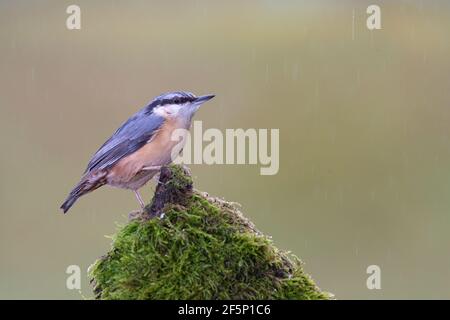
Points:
x=189 y=245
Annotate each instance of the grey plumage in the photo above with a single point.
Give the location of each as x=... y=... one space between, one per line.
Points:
x=131 y=136
x=135 y=132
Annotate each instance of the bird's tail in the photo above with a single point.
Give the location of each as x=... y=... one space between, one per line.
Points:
x=68 y=203
x=87 y=184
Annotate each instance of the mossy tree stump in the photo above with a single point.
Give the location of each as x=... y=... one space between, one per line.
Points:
x=188 y=245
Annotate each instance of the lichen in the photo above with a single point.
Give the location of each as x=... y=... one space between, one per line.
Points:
x=202 y=248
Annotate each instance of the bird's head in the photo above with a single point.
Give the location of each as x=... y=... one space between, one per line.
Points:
x=178 y=104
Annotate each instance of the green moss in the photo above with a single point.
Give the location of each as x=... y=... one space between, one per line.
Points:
x=201 y=249
x=181 y=179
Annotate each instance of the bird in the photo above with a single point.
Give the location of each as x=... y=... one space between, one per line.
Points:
x=138 y=149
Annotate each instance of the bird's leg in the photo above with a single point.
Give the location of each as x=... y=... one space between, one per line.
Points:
x=139 y=198
x=152 y=168
x=159 y=182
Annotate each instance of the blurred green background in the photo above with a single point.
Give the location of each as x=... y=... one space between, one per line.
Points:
x=363 y=116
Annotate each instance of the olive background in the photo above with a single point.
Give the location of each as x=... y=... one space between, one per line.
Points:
x=363 y=115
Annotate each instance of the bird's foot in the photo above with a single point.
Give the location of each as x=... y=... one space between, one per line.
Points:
x=135 y=214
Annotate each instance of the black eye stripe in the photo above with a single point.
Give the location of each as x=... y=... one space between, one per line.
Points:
x=180 y=97
x=176 y=100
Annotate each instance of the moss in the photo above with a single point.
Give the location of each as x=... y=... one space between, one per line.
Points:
x=203 y=248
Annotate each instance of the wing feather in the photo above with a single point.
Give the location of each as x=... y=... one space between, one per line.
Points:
x=131 y=136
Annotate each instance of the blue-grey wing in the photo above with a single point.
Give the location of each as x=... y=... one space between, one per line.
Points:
x=131 y=136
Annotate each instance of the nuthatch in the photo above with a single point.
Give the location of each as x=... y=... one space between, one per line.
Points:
x=138 y=149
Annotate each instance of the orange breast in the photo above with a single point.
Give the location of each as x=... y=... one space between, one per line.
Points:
x=156 y=152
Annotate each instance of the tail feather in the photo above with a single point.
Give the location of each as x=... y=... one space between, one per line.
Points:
x=87 y=184
x=69 y=203
x=78 y=191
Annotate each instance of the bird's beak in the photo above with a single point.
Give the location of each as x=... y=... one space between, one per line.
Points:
x=203 y=99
